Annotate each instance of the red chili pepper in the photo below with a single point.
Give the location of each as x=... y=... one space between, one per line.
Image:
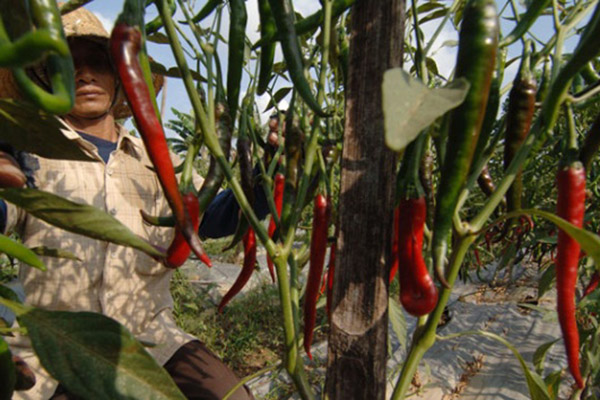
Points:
x=278 y=186
x=249 y=241
x=418 y=293
x=179 y=250
x=571 y=207
x=125 y=45
x=395 y=244
x=592 y=285
x=318 y=248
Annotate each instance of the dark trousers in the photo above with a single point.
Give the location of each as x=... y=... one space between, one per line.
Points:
x=199 y=374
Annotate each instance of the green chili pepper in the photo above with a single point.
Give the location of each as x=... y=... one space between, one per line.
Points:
x=534 y=9
x=478 y=42
x=283 y=11
x=205 y=11
x=309 y=23
x=59 y=66
x=154 y=25
x=235 y=64
x=267 y=51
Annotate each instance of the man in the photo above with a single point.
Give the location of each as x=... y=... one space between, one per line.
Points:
x=120 y=282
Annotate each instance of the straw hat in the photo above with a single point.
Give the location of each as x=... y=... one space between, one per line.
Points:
x=79 y=23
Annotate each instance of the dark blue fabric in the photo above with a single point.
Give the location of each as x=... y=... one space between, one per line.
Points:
x=2 y=215
x=105 y=147
x=221 y=216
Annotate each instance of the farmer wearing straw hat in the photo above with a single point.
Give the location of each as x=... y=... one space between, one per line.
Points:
x=117 y=281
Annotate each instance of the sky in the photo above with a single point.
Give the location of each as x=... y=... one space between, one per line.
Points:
x=176 y=97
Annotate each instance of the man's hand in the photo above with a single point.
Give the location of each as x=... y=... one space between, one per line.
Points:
x=10 y=172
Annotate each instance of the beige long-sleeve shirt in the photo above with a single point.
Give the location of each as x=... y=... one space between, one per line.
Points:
x=120 y=282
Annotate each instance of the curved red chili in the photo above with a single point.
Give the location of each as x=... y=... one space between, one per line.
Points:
x=125 y=44
x=418 y=293
x=318 y=248
x=571 y=207
x=249 y=241
x=278 y=186
x=179 y=250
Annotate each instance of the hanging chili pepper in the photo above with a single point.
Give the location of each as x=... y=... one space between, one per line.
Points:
x=235 y=64
x=418 y=293
x=267 y=51
x=205 y=11
x=278 y=186
x=395 y=245
x=58 y=63
x=179 y=250
x=590 y=145
x=521 y=107
x=571 y=207
x=125 y=44
x=485 y=181
x=318 y=248
x=478 y=42
x=247 y=270
x=283 y=11
x=592 y=285
x=215 y=175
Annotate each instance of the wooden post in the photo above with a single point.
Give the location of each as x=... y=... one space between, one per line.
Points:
x=357 y=354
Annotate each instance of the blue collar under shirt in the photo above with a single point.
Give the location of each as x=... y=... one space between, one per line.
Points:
x=105 y=147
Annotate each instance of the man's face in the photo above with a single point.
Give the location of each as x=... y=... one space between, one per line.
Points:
x=94 y=79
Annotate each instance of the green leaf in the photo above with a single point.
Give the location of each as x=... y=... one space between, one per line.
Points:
x=172 y=72
x=553 y=383
x=16 y=250
x=546 y=280
x=93 y=356
x=539 y=357
x=51 y=252
x=409 y=106
x=8 y=374
x=78 y=218
x=589 y=242
x=32 y=130
x=396 y=316
x=535 y=383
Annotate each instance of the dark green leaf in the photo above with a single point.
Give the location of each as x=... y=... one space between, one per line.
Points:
x=33 y=131
x=409 y=106
x=93 y=356
x=78 y=218
x=546 y=280
x=553 y=383
x=539 y=356
x=429 y=6
x=16 y=250
x=434 y=15
x=58 y=253
x=8 y=374
x=173 y=72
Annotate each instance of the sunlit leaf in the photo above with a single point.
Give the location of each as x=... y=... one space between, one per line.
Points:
x=396 y=316
x=77 y=218
x=93 y=356
x=16 y=250
x=31 y=130
x=409 y=106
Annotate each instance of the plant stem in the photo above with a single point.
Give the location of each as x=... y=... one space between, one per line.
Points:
x=426 y=338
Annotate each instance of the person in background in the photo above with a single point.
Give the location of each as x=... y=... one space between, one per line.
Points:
x=119 y=282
